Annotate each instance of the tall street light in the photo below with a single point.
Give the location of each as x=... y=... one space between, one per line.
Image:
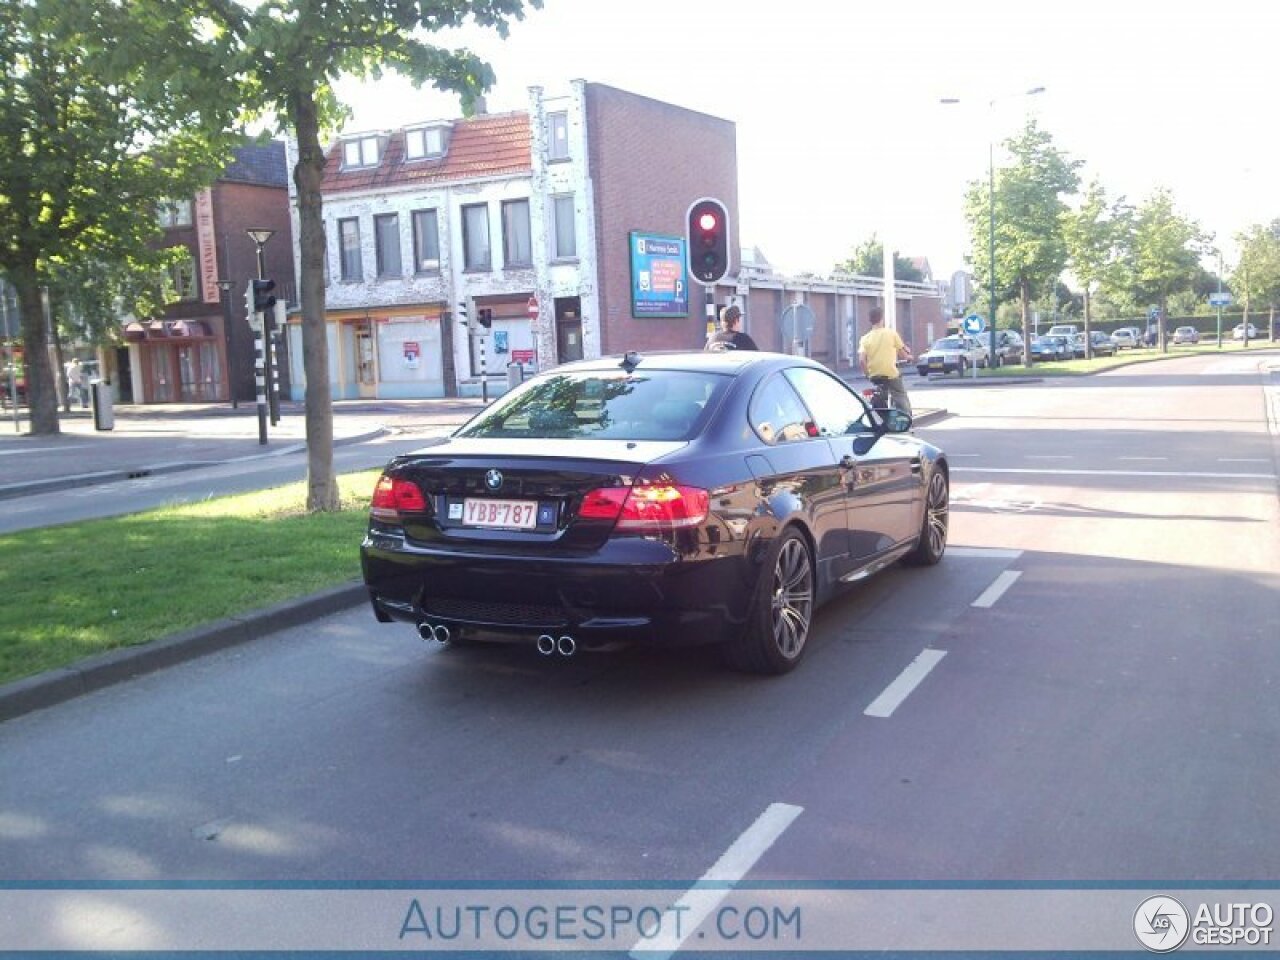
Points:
x=991 y=215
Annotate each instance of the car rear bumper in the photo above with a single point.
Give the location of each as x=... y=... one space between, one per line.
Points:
x=631 y=589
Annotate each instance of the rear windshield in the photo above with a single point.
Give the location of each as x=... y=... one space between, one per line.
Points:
x=602 y=405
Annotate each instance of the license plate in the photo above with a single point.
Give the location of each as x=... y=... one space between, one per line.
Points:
x=506 y=514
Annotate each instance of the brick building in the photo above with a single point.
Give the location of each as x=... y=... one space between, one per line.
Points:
x=191 y=353
x=547 y=219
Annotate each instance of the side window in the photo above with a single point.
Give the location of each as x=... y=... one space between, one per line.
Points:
x=836 y=409
x=776 y=413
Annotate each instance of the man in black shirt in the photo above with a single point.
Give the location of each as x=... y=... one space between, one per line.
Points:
x=729 y=337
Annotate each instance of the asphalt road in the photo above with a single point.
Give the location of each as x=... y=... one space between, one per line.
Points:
x=1084 y=689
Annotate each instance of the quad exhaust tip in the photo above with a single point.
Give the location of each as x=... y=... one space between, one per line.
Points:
x=566 y=646
x=437 y=632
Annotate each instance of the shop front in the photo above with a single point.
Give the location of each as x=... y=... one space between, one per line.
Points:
x=176 y=361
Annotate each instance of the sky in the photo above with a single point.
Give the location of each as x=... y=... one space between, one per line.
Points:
x=840 y=130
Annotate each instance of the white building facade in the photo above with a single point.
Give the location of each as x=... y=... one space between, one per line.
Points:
x=485 y=217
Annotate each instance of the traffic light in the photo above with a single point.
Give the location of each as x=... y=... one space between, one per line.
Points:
x=708 y=240
x=263 y=299
x=462 y=313
x=485 y=316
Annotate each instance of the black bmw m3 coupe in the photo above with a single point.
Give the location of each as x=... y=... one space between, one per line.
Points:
x=663 y=499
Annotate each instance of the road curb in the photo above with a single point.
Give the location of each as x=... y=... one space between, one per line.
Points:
x=115 y=666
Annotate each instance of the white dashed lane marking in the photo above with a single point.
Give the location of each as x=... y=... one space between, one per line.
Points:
x=907 y=681
x=994 y=592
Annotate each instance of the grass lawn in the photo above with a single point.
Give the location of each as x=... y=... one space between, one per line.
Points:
x=1071 y=368
x=82 y=588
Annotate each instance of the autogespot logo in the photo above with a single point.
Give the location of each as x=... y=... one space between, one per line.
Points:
x=1161 y=924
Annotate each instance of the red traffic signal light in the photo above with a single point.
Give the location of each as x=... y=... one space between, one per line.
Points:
x=708 y=240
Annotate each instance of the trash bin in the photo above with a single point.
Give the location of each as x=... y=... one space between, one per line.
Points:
x=515 y=375
x=104 y=414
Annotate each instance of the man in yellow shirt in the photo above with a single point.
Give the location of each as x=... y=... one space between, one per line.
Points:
x=878 y=353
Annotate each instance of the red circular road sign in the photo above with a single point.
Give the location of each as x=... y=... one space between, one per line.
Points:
x=533 y=308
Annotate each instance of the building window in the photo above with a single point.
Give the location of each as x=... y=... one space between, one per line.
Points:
x=349 y=249
x=386 y=237
x=564 y=242
x=475 y=237
x=426 y=242
x=423 y=143
x=183 y=275
x=174 y=213
x=360 y=153
x=557 y=136
x=517 y=248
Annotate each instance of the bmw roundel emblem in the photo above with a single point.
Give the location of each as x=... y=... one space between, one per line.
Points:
x=493 y=479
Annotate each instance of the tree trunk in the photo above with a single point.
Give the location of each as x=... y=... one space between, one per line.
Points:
x=322 y=485
x=1088 y=321
x=447 y=319
x=1160 y=324
x=42 y=390
x=1024 y=299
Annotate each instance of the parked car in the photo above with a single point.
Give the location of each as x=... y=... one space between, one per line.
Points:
x=954 y=354
x=1051 y=348
x=1186 y=335
x=1101 y=343
x=1238 y=332
x=675 y=499
x=1008 y=346
x=1126 y=338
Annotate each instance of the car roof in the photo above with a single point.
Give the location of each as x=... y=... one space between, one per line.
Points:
x=729 y=362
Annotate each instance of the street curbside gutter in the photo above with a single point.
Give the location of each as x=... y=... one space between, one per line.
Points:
x=115 y=666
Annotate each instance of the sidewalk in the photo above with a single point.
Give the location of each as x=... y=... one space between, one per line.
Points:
x=148 y=440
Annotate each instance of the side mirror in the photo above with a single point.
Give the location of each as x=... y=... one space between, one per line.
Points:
x=897 y=421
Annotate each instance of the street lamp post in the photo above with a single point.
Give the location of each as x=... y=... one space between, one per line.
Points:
x=262 y=362
x=224 y=288
x=993 y=357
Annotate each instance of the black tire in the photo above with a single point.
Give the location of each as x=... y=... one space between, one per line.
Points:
x=776 y=634
x=932 y=543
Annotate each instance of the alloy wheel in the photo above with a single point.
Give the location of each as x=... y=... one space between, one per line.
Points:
x=938 y=513
x=792 y=598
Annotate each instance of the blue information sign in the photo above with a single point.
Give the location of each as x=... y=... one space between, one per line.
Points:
x=658 y=284
x=974 y=324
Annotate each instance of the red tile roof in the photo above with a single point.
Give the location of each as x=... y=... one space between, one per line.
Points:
x=480 y=147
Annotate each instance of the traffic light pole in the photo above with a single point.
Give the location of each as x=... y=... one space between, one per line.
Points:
x=260 y=379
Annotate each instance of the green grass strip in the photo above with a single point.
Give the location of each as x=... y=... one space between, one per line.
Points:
x=82 y=588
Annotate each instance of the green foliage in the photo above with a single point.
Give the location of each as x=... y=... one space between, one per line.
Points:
x=284 y=57
x=95 y=129
x=1165 y=250
x=1256 y=279
x=867 y=260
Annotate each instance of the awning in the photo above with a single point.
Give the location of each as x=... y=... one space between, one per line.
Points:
x=135 y=331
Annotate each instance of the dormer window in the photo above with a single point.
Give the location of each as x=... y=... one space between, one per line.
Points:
x=362 y=152
x=424 y=143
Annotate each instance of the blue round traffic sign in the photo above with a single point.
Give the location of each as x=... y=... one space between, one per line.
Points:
x=974 y=323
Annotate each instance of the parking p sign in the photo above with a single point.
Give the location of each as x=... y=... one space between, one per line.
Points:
x=974 y=324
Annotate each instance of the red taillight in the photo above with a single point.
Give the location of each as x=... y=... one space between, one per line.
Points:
x=393 y=496
x=647 y=507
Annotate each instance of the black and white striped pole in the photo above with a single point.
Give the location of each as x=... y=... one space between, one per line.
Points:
x=259 y=361
x=260 y=301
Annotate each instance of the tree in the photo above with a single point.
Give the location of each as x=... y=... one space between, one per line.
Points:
x=286 y=55
x=1256 y=279
x=93 y=135
x=1164 y=255
x=1030 y=248
x=1090 y=233
x=867 y=260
